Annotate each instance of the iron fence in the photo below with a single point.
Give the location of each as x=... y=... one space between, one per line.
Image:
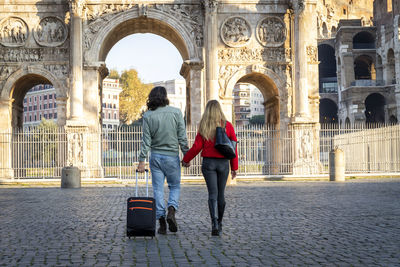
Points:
x=263 y=150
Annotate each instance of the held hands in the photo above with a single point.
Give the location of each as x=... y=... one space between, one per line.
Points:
x=141 y=167
x=233 y=174
x=184 y=164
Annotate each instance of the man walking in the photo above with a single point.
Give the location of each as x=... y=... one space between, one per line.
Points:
x=163 y=133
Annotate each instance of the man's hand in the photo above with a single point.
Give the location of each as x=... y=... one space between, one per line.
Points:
x=233 y=174
x=184 y=164
x=141 y=166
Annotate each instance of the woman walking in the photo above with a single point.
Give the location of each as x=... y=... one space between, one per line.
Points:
x=215 y=166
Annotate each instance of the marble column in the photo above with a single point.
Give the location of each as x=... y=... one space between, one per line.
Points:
x=76 y=93
x=302 y=19
x=193 y=73
x=211 y=49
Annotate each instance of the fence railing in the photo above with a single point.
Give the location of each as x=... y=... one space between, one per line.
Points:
x=262 y=150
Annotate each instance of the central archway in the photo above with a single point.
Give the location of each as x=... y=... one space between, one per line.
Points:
x=176 y=31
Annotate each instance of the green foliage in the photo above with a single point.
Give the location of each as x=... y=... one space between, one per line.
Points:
x=133 y=96
x=257 y=120
x=45 y=138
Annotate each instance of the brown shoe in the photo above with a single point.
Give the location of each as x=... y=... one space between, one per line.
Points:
x=163 y=226
x=172 y=225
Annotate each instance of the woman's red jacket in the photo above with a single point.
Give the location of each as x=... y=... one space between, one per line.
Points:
x=208 y=149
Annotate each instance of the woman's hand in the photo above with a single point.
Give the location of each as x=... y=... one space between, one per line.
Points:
x=184 y=164
x=233 y=174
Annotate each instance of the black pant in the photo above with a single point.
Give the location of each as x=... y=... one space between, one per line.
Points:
x=215 y=172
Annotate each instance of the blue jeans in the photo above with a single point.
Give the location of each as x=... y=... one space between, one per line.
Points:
x=162 y=166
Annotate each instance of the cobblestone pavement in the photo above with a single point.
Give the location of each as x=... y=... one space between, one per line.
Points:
x=356 y=223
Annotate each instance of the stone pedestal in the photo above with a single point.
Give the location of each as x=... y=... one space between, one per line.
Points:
x=84 y=150
x=306 y=148
x=70 y=177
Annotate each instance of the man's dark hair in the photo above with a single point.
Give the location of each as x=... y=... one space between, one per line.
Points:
x=157 y=98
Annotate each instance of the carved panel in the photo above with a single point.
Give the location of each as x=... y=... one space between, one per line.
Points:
x=312 y=54
x=6 y=71
x=188 y=14
x=245 y=55
x=51 y=31
x=225 y=73
x=21 y=55
x=271 y=32
x=33 y=54
x=13 y=32
x=59 y=71
x=97 y=15
x=235 y=32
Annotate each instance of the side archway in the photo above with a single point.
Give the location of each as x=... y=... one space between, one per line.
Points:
x=269 y=84
x=20 y=82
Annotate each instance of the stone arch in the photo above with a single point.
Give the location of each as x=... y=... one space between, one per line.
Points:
x=20 y=82
x=156 y=22
x=268 y=82
x=375 y=108
x=363 y=67
x=328 y=111
x=391 y=73
x=363 y=40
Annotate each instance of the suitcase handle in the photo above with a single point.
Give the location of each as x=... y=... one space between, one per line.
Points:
x=147 y=182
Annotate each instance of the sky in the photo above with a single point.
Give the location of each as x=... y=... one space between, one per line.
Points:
x=153 y=57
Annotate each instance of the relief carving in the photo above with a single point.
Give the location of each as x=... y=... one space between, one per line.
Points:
x=21 y=55
x=312 y=54
x=245 y=55
x=225 y=73
x=6 y=71
x=97 y=15
x=51 y=31
x=13 y=32
x=271 y=32
x=190 y=15
x=235 y=32
x=59 y=71
x=75 y=149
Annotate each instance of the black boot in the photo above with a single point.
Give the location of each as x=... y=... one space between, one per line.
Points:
x=221 y=209
x=163 y=226
x=212 y=205
x=172 y=225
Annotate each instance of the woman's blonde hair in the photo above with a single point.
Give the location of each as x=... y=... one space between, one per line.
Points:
x=212 y=118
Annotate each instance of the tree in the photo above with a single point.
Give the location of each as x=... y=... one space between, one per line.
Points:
x=114 y=75
x=44 y=141
x=133 y=96
x=257 y=119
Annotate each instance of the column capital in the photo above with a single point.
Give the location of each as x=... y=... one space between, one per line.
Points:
x=188 y=65
x=211 y=6
x=76 y=7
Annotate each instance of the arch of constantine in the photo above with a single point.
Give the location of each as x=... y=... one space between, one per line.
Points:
x=269 y=44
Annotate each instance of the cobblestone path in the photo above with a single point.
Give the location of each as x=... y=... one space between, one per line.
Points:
x=356 y=223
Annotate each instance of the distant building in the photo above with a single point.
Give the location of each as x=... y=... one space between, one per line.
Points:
x=247 y=102
x=40 y=103
x=110 y=102
x=176 y=90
